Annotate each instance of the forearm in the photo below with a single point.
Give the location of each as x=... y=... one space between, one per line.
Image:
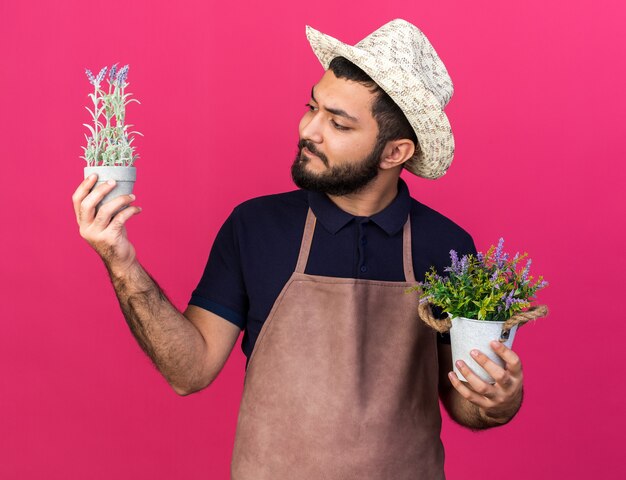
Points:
x=172 y=342
x=472 y=416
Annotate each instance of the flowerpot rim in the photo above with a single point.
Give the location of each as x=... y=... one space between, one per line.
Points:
x=502 y=322
x=108 y=166
x=113 y=172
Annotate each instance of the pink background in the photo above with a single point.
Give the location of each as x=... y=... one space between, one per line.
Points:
x=537 y=116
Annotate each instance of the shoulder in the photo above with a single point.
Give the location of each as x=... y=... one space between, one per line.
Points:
x=276 y=201
x=426 y=217
x=434 y=235
x=274 y=212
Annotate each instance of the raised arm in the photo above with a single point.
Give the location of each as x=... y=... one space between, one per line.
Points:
x=188 y=349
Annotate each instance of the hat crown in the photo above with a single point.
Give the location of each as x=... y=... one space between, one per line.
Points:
x=401 y=44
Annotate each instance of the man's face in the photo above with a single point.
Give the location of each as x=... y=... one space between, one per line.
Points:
x=337 y=151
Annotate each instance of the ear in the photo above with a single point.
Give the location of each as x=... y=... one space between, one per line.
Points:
x=397 y=152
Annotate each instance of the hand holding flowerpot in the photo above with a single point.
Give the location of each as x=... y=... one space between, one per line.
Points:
x=124 y=178
x=105 y=231
x=486 y=299
x=467 y=334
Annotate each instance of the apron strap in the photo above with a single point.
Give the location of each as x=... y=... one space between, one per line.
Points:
x=407 y=254
x=305 y=246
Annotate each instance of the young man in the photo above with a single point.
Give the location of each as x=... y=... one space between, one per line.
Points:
x=342 y=378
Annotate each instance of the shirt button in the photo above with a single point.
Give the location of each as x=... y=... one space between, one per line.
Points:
x=364 y=241
x=364 y=269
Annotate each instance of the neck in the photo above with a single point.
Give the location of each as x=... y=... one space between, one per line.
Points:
x=374 y=198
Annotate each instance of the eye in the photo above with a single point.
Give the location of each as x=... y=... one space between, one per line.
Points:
x=335 y=124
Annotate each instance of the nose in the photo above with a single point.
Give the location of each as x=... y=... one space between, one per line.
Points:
x=310 y=128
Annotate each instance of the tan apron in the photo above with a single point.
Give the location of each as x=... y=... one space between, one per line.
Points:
x=342 y=383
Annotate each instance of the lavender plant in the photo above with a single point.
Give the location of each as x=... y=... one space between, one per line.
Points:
x=110 y=141
x=483 y=287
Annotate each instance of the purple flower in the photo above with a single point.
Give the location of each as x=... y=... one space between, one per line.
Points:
x=101 y=75
x=542 y=284
x=515 y=260
x=499 y=250
x=122 y=75
x=455 y=258
x=499 y=258
x=509 y=300
x=494 y=277
x=90 y=76
x=437 y=278
x=526 y=270
x=463 y=264
x=455 y=262
x=112 y=73
x=480 y=256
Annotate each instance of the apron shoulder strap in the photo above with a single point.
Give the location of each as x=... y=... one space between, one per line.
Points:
x=407 y=253
x=305 y=246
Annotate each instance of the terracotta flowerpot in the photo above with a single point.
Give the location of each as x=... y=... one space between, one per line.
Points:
x=467 y=334
x=124 y=177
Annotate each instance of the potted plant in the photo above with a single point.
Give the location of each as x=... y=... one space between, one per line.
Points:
x=486 y=297
x=109 y=153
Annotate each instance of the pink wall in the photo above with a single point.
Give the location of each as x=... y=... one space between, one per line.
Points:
x=537 y=115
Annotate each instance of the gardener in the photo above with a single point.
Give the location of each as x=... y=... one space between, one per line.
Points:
x=342 y=379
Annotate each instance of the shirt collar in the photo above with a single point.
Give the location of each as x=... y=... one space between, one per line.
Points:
x=391 y=219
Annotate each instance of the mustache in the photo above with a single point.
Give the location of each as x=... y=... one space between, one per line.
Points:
x=309 y=146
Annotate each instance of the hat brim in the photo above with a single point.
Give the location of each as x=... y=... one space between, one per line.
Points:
x=420 y=106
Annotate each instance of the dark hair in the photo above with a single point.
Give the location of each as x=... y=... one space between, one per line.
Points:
x=392 y=123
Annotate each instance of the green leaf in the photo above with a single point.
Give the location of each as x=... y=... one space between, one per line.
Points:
x=91 y=111
x=93 y=132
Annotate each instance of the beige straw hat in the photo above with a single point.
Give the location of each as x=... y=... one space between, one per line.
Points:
x=401 y=60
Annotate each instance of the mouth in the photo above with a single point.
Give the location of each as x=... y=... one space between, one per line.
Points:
x=308 y=153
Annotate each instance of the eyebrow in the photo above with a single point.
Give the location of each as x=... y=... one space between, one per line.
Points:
x=336 y=111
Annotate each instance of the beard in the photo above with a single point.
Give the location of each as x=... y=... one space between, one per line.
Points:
x=337 y=180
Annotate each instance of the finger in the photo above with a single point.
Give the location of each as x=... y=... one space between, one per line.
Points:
x=87 y=210
x=511 y=359
x=81 y=192
x=117 y=224
x=478 y=384
x=108 y=210
x=499 y=374
x=467 y=393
